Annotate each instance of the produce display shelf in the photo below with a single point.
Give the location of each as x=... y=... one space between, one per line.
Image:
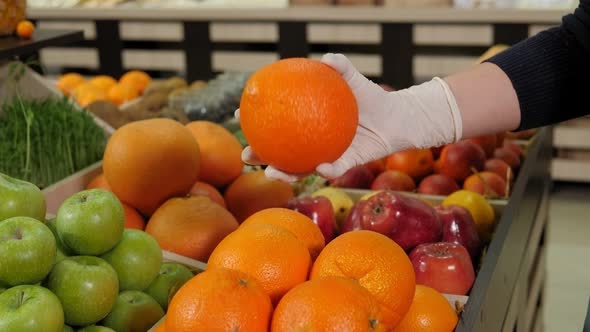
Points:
x=11 y=46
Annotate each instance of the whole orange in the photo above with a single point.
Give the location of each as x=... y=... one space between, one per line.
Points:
x=417 y=163
x=25 y=29
x=120 y=93
x=328 y=304
x=221 y=153
x=430 y=311
x=146 y=162
x=205 y=189
x=295 y=222
x=103 y=82
x=253 y=191
x=297 y=113
x=137 y=79
x=379 y=265
x=272 y=255
x=132 y=218
x=191 y=226
x=219 y=300
x=66 y=83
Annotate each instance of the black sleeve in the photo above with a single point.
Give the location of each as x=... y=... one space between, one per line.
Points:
x=551 y=71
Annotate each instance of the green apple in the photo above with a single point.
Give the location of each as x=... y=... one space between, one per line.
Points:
x=136 y=258
x=134 y=311
x=68 y=328
x=91 y=222
x=87 y=287
x=27 y=308
x=28 y=251
x=171 y=277
x=20 y=199
x=96 y=328
x=62 y=250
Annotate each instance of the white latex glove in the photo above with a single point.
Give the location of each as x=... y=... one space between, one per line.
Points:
x=421 y=116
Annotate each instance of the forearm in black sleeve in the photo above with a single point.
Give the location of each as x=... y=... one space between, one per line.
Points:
x=550 y=71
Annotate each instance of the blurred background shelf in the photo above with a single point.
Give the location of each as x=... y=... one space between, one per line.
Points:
x=11 y=46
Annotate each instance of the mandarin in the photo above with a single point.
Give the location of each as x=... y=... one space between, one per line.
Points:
x=219 y=300
x=297 y=113
x=66 y=83
x=430 y=311
x=253 y=191
x=103 y=82
x=205 y=189
x=191 y=226
x=272 y=255
x=295 y=222
x=328 y=304
x=417 y=163
x=221 y=153
x=132 y=218
x=377 y=263
x=149 y=161
x=120 y=93
x=136 y=79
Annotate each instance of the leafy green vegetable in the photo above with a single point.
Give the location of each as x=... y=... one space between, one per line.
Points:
x=45 y=140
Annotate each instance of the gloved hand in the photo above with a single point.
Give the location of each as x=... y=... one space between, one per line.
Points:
x=421 y=116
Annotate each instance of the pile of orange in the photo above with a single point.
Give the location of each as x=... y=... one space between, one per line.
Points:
x=103 y=87
x=263 y=277
x=184 y=184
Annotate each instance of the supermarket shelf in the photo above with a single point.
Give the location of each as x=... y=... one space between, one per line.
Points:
x=570 y=170
x=12 y=46
x=309 y=13
x=570 y=137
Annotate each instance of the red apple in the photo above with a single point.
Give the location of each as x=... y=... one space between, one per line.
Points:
x=508 y=156
x=358 y=177
x=458 y=227
x=487 y=143
x=457 y=160
x=406 y=220
x=320 y=210
x=499 y=167
x=438 y=184
x=443 y=266
x=376 y=166
x=393 y=180
x=514 y=147
x=488 y=184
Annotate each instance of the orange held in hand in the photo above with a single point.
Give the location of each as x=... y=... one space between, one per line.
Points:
x=328 y=304
x=25 y=29
x=379 y=265
x=219 y=300
x=272 y=255
x=298 y=113
x=430 y=311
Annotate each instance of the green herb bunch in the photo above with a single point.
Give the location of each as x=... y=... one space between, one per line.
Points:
x=45 y=140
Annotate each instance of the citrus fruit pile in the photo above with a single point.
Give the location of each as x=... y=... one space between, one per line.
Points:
x=274 y=273
x=103 y=87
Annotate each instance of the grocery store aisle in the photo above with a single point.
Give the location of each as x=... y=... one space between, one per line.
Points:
x=568 y=258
